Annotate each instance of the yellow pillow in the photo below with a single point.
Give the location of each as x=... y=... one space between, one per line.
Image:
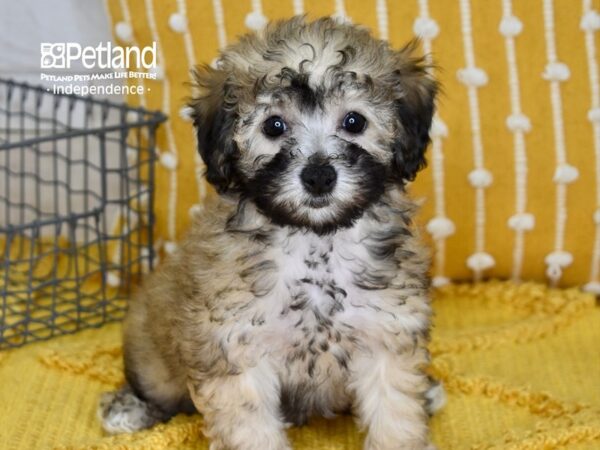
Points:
x=511 y=190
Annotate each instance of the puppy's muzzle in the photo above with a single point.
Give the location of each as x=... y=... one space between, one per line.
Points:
x=318 y=179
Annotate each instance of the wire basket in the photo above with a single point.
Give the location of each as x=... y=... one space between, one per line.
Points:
x=76 y=218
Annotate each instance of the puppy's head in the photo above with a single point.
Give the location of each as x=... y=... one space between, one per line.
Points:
x=312 y=121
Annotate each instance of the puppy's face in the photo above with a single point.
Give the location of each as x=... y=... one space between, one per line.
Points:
x=311 y=122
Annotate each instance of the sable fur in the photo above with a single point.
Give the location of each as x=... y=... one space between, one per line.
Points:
x=278 y=305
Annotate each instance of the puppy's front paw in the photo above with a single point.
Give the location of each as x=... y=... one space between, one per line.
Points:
x=253 y=441
x=241 y=411
x=387 y=443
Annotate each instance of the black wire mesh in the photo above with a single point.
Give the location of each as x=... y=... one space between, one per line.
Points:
x=76 y=218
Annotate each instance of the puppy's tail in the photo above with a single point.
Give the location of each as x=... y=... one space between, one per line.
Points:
x=124 y=412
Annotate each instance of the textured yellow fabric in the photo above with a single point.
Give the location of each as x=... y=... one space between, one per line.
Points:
x=214 y=23
x=520 y=365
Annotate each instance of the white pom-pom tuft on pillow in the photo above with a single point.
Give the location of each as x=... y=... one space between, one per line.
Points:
x=341 y=18
x=178 y=23
x=593 y=287
x=157 y=71
x=133 y=116
x=440 y=227
x=195 y=210
x=438 y=128
x=590 y=21
x=255 y=21
x=594 y=115
x=480 y=261
x=168 y=160
x=559 y=258
x=557 y=261
x=145 y=254
x=522 y=221
x=510 y=26
x=556 y=71
x=597 y=217
x=124 y=32
x=186 y=113
x=113 y=279
x=518 y=122
x=565 y=174
x=472 y=76
x=132 y=154
x=143 y=200
x=170 y=247
x=440 y=281
x=426 y=28
x=480 y=178
x=554 y=272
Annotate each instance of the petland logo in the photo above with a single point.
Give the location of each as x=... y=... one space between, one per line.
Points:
x=62 y=55
x=109 y=66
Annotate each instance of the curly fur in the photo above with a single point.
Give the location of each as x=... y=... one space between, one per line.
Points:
x=278 y=306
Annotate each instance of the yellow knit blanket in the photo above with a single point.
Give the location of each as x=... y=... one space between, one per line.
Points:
x=521 y=365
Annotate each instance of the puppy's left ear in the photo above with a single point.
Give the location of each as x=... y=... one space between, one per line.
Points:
x=415 y=93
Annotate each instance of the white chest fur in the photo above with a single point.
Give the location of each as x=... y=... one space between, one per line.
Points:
x=320 y=298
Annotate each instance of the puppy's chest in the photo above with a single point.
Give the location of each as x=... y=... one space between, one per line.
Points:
x=315 y=314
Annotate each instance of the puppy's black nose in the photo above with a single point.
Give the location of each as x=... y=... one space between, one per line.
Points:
x=318 y=179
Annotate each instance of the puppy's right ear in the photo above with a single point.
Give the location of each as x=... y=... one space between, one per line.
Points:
x=214 y=119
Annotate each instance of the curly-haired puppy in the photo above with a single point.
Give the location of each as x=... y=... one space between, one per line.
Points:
x=303 y=289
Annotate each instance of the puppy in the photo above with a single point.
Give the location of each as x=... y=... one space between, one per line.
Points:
x=303 y=290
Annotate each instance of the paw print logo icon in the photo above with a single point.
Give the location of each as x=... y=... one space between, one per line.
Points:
x=53 y=56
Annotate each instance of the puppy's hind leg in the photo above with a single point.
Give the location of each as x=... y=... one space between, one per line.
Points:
x=124 y=412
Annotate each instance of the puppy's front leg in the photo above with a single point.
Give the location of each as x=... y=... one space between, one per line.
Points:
x=389 y=403
x=241 y=412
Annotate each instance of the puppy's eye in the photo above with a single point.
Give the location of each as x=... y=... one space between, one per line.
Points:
x=354 y=122
x=274 y=126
